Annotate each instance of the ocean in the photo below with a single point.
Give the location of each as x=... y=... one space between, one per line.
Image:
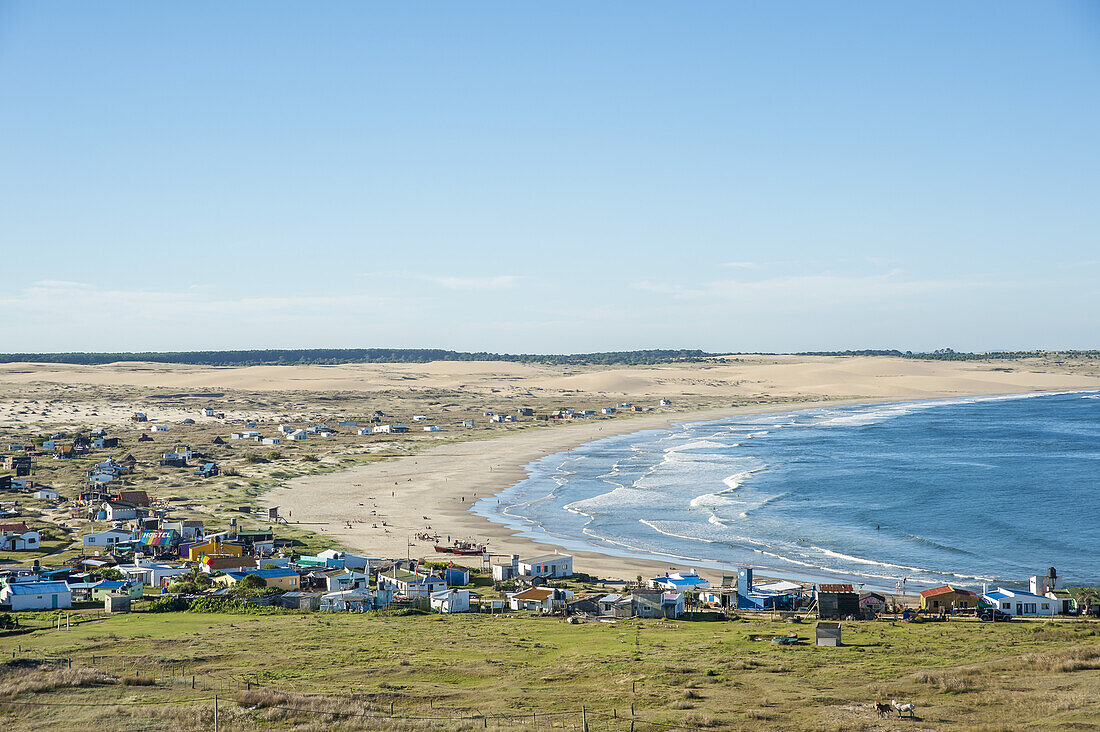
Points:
x=967 y=491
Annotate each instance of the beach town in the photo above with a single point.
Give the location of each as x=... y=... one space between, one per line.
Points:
x=165 y=510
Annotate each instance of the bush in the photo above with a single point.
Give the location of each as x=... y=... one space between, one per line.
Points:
x=169 y=605
x=274 y=455
x=228 y=605
x=309 y=458
x=8 y=622
x=252 y=582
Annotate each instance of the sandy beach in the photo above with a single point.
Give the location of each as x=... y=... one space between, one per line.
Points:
x=438 y=487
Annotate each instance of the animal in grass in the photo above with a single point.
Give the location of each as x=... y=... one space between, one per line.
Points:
x=883 y=709
x=906 y=708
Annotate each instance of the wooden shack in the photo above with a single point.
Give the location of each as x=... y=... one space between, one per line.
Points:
x=837 y=601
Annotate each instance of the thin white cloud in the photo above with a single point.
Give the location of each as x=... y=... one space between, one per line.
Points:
x=455 y=282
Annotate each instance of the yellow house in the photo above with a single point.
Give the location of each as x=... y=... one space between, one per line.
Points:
x=283 y=578
x=943 y=599
x=198 y=551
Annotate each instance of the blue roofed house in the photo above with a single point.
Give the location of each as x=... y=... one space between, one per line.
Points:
x=680 y=582
x=53 y=595
x=1020 y=603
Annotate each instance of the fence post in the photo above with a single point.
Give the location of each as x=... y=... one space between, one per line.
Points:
x=584 y=719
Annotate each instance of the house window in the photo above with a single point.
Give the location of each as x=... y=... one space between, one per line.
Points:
x=1046 y=606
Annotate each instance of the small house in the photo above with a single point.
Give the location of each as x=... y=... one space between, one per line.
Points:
x=657 y=604
x=282 y=578
x=410 y=584
x=208 y=412
x=526 y=412
x=433 y=428
x=456 y=576
x=1020 y=603
x=209 y=470
x=298 y=435
x=108 y=539
x=160 y=428
x=547 y=565
x=540 y=599
x=836 y=601
x=467 y=423
x=272 y=441
x=828 y=634
x=18 y=541
x=116 y=603
x=54 y=595
x=665 y=403
x=420 y=418
x=947 y=599
x=872 y=602
x=451 y=601
x=119 y=510
x=346 y=580
x=680 y=582
x=47 y=494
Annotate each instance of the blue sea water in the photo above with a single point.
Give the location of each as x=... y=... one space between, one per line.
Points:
x=985 y=489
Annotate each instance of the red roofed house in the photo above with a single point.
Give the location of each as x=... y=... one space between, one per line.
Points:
x=947 y=598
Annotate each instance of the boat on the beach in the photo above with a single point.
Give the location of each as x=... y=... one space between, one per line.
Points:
x=465 y=548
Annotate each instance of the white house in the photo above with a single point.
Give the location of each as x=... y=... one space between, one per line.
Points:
x=608 y=410
x=108 y=538
x=47 y=494
x=152 y=574
x=467 y=423
x=160 y=428
x=1018 y=602
x=37 y=596
x=665 y=403
x=363 y=431
x=451 y=601
x=208 y=412
x=298 y=435
x=680 y=582
x=410 y=584
x=539 y=599
x=119 y=510
x=286 y=429
x=390 y=429
x=348 y=580
x=351 y=561
x=547 y=565
x=18 y=541
x=272 y=441
x=420 y=418
x=433 y=428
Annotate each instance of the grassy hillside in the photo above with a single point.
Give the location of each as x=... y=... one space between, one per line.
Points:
x=314 y=671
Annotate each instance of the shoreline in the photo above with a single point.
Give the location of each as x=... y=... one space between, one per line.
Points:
x=440 y=487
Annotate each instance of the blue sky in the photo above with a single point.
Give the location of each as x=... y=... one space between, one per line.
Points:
x=554 y=177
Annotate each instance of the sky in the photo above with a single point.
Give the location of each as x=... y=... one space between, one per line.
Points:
x=550 y=177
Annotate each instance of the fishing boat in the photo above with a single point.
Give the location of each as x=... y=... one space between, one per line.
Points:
x=465 y=548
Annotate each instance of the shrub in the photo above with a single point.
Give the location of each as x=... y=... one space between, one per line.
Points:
x=169 y=604
x=274 y=455
x=309 y=458
x=252 y=582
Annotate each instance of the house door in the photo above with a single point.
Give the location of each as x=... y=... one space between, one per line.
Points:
x=1019 y=608
x=53 y=601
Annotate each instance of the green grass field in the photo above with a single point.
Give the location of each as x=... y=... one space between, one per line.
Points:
x=473 y=671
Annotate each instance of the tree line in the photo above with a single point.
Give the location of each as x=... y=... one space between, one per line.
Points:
x=331 y=356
